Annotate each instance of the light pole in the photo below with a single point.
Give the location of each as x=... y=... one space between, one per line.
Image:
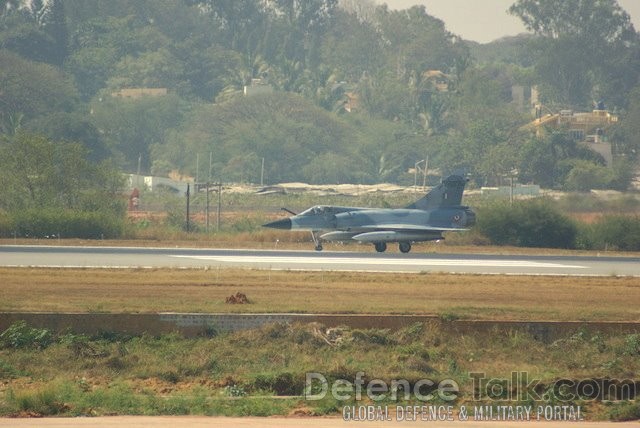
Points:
x=415 y=175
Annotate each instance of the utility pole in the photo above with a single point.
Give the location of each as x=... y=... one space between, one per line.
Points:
x=262 y=174
x=416 y=167
x=424 y=177
x=210 y=165
x=207 y=210
x=511 y=191
x=138 y=174
x=197 y=167
x=219 y=207
x=188 y=195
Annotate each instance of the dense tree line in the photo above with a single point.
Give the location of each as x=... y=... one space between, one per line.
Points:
x=360 y=92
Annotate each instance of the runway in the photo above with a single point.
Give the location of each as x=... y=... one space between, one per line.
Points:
x=139 y=257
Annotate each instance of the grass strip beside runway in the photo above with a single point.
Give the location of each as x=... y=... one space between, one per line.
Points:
x=198 y=290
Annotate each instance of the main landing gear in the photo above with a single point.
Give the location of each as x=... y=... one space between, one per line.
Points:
x=381 y=247
x=316 y=241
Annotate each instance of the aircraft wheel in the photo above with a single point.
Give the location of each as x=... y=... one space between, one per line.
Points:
x=319 y=247
x=405 y=247
x=381 y=247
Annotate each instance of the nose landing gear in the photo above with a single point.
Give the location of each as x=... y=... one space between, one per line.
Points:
x=316 y=241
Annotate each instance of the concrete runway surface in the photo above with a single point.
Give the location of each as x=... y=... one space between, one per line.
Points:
x=253 y=422
x=128 y=257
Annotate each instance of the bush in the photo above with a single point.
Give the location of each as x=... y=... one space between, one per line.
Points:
x=532 y=223
x=7 y=225
x=281 y=384
x=20 y=335
x=625 y=412
x=49 y=222
x=615 y=232
x=41 y=402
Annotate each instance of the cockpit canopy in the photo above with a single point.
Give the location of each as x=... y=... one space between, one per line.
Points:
x=326 y=210
x=316 y=210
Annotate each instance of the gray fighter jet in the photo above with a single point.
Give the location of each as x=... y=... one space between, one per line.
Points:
x=438 y=211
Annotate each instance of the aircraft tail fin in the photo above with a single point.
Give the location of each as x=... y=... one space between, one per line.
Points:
x=446 y=194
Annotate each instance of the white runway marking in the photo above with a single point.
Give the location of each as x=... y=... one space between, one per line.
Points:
x=380 y=261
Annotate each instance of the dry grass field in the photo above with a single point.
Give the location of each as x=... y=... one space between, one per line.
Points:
x=198 y=290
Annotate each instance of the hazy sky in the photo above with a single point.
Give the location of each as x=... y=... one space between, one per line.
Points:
x=486 y=20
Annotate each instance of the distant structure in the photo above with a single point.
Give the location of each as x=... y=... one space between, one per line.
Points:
x=135 y=93
x=525 y=97
x=257 y=86
x=438 y=80
x=155 y=184
x=351 y=102
x=587 y=128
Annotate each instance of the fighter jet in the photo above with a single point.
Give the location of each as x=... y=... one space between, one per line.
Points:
x=438 y=211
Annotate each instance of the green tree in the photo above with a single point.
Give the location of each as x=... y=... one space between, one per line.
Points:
x=55 y=25
x=585 y=176
x=581 y=41
x=419 y=42
x=40 y=173
x=33 y=89
x=131 y=126
x=35 y=29
x=548 y=161
x=72 y=127
x=353 y=48
x=21 y=32
x=284 y=129
x=626 y=137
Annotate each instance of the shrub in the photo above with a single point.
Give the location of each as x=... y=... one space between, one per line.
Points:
x=617 y=232
x=49 y=222
x=632 y=345
x=281 y=384
x=7 y=371
x=7 y=225
x=42 y=402
x=625 y=412
x=20 y=335
x=532 y=223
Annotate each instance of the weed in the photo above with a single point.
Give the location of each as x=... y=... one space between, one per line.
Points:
x=7 y=371
x=170 y=376
x=245 y=364
x=235 y=391
x=410 y=333
x=20 y=335
x=625 y=411
x=42 y=402
x=116 y=363
x=599 y=343
x=449 y=317
x=632 y=344
x=376 y=336
x=281 y=384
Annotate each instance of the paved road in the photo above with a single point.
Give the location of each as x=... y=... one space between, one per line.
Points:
x=121 y=257
x=205 y=421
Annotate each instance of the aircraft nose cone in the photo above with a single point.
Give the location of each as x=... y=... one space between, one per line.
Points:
x=285 y=223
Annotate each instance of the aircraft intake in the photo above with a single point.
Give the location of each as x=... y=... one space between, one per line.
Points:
x=470 y=217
